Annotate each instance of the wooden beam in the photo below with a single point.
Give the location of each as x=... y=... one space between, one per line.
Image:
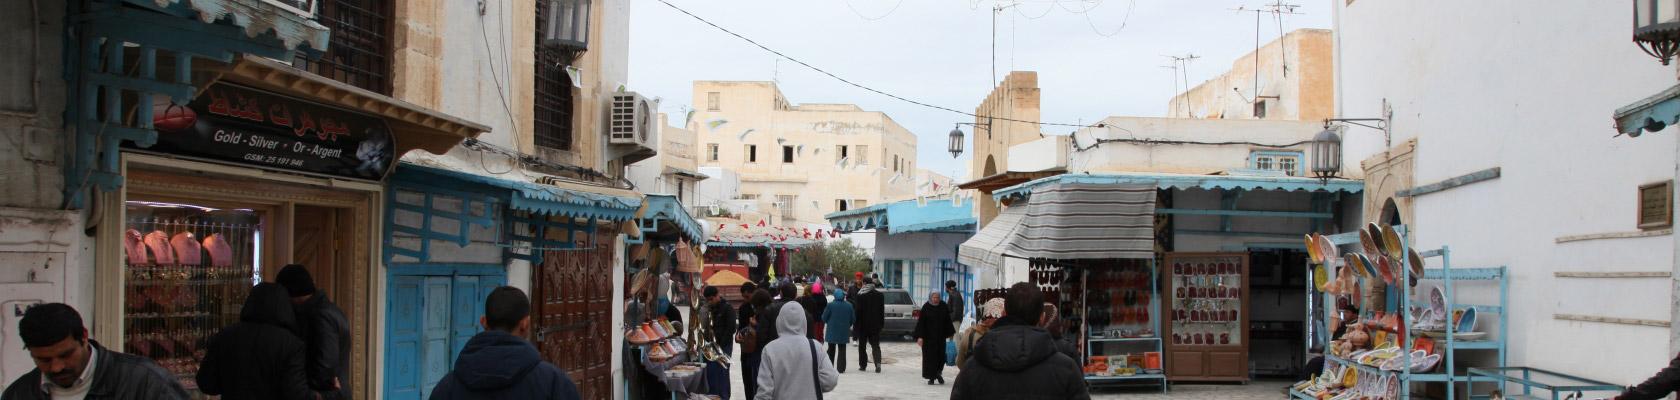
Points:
x=1461 y=180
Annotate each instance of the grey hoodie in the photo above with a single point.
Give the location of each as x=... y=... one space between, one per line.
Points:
x=785 y=373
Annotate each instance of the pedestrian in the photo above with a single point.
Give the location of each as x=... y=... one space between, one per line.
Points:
x=966 y=340
x=767 y=333
x=69 y=365
x=838 y=318
x=325 y=331
x=751 y=347
x=954 y=297
x=723 y=332
x=261 y=356
x=814 y=302
x=932 y=329
x=1051 y=320
x=1019 y=360
x=870 y=308
x=791 y=368
x=857 y=284
x=498 y=363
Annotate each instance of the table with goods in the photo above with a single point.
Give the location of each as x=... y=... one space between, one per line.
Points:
x=1402 y=333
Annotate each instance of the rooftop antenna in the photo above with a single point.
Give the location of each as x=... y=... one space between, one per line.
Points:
x=1278 y=9
x=1181 y=65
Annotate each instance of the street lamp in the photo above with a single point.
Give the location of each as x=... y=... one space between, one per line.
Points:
x=1327 y=154
x=1656 y=27
x=956 y=142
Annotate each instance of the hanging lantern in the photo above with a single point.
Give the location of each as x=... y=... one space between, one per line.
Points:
x=956 y=146
x=1656 y=27
x=1327 y=154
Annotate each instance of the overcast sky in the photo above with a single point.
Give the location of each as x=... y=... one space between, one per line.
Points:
x=1094 y=58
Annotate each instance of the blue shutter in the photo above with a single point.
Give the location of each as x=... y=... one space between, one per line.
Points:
x=402 y=379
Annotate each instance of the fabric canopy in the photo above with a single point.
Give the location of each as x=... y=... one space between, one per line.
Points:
x=1067 y=220
x=987 y=247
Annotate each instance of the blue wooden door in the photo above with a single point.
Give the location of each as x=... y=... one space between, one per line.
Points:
x=431 y=318
x=402 y=347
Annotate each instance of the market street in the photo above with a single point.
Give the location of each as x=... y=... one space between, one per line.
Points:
x=900 y=378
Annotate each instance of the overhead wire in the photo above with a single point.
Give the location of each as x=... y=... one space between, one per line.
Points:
x=847 y=81
x=867 y=18
x=1123 y=22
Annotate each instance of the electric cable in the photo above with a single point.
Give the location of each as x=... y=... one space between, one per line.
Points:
x=849 y=82
x=1123 y=22
x=867 y=18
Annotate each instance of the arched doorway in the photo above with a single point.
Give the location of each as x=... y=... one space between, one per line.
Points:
x=1390 y=213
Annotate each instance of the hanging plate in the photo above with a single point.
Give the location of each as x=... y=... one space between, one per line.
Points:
x=1391 y=241
x=1313 y=251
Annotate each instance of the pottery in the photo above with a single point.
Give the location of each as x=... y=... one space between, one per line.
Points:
x=1438 y=303
x=1313 y=250
x=1465 y=321
x=1391 y=242
x=1368 y=244
x=1320 y=277
x=1327 y=248
x=1386 y=269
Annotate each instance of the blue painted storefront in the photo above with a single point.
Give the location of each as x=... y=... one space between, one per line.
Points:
x=916 y=243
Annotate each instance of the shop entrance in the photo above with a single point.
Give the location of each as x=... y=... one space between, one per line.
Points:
x=434 y=311
x=1278 y=309
x=573 y=294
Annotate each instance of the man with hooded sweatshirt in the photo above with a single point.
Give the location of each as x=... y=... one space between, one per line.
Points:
x=791 y=368
x=261 y=357
x=838 y=319
x=325 y=330
x=1019 y=360
x=498 y=363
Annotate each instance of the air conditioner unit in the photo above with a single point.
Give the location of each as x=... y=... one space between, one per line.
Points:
x=632 y=119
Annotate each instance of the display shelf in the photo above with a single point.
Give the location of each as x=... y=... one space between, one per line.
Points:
x=1154 y=344
x=1554 y=383
x=1123 y=378
x=1143 y=339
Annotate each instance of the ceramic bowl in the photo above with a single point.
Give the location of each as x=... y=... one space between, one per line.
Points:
x=1312 y=250
x=1368 y=243
x=1320 y=277
x=1386 y=269
x=1438 y=303
x=1370 y=270
x=1466 y=322
x=1391 y=241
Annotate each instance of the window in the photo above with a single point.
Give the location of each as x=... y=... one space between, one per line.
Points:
x=749 y=196
x=1287 y=162
x=712 y=101
x=711 y=152
x=892 y=273
x=863 y=154
x=1260 y=109
x=840 y=152
x=359 y=50
x=551 y=123
x=896 y=163
x=679 y=191
x=840 y=205
x=752 y=153
x=786 y=204
x=787 y=154
x=1656 y=209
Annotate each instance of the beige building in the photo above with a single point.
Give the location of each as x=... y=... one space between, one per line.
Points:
x=1296 y=82
x=1015 y=99
x=800 y=162
x=675 y=171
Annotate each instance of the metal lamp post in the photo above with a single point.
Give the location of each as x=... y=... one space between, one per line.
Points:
x=1656 y=27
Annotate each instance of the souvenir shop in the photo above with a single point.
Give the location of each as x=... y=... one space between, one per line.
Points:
x=763 y=250
x=1164 y=285
x=667 y=357
x=244 y=178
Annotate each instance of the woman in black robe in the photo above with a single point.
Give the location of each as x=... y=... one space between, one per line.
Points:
x=932 y=329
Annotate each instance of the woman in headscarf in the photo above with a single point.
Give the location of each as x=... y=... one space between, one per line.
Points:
x=261 y=357
x=933 y=327
x=989 y=314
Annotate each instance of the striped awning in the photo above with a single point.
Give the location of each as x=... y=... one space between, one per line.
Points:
x=986 y=248
x=1070 y=220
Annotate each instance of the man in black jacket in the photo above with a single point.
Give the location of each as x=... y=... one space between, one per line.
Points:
x=1019 y=360
x=261 y=357
x=499 y=364
x=325 y=330
x=767 y=316
x=68 y=364
x=871 y=308
x=723 y=334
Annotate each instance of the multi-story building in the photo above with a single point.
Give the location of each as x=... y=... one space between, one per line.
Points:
x=675 y=171
x=801 y=162
x=268 y=138
x=1289 y=78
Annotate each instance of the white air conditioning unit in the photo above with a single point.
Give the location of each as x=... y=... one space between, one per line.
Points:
x=632 y=120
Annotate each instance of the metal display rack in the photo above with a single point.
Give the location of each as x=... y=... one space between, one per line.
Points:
x=1152 y=343
x=1449 y=345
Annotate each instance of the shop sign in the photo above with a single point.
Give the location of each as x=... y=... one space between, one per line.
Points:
x=244 y=125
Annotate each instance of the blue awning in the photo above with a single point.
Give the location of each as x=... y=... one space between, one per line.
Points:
x=563 y=199
x=907 y=216
x=1650 y=114
x=1188 y=181
x=666 y=208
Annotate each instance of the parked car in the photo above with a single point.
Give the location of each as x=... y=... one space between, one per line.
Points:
x=900 y=313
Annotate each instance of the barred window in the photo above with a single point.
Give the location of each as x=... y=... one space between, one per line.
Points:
x=359 y=52
x=552 y=122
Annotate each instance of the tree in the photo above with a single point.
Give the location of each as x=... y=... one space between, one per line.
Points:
x=843 y=257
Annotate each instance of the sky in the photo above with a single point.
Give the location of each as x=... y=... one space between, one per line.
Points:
x=1094 y=58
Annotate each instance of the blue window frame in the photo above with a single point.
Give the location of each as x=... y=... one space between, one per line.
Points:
x=1287 y=161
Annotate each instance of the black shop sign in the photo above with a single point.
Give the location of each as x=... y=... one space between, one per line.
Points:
x=242 y=125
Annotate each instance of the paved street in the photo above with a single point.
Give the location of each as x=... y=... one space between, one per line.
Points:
x=900 y=378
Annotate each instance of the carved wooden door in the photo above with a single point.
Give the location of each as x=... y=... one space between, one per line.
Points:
x=574 y=313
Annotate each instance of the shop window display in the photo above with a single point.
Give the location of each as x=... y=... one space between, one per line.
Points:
x=188 y=270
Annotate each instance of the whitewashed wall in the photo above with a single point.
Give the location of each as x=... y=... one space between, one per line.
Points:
x=931 y=247
x=1529 y=89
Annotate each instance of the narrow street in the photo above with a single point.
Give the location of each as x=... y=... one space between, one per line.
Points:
x=900 y=378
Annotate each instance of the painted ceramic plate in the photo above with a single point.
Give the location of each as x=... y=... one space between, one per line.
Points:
x=1327 y=249
x=1391 y=242
x=1370 y=270
x=1321 y=276
x=1353 y=263
x=1312 y=250
x=1375 y=231
x=1369 y=244
x=1386 y=269
x=1465 y=320
x=1437 y=302
x=1416 y=261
